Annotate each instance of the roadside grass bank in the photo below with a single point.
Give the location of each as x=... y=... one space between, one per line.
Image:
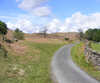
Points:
x=95 y=46
x=28 y=62
x=78 y=57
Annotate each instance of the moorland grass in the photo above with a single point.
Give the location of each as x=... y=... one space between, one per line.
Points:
x=32 y=66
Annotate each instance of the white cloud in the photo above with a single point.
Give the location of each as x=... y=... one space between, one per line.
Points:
x=42 y=11
x=54 y=26
x=75 y=22
x=17 y=0
x=24 y=25
x=71 y=24
x=79 y=20
x=27 y=26
x=36 y=7
x=30 y=4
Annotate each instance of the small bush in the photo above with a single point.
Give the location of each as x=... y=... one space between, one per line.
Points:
x=8 y=41
x=90 y=44
x=66 y=39
x=18 y=35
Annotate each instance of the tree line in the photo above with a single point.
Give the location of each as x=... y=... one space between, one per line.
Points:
x=91 y=35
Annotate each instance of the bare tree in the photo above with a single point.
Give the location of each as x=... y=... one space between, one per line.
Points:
x=44 y=31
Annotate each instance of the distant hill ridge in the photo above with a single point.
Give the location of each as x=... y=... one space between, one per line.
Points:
x=70 y=35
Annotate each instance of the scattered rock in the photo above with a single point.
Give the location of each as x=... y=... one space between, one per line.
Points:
x=21 y=72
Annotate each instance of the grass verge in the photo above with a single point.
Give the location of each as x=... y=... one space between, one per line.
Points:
x=28 y=62
x=95 y=46
x=78 y=57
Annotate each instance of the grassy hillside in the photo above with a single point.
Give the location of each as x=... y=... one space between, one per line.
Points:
x=70 y=35
x=79 y=58
x=28 y=61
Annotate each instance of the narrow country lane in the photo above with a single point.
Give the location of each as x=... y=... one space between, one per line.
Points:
x=65 y=71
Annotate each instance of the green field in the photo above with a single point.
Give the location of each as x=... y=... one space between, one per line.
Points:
x=95 y=46
x=31 y=65
x=79 y=58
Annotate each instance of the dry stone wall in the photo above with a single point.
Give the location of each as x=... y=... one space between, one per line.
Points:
x=92 y=56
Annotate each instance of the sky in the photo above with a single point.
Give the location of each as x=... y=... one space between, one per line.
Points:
x=32 y=16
